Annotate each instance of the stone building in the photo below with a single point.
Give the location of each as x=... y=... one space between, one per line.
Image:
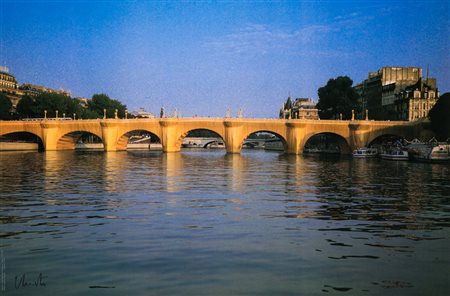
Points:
x=83 y=102
x=9 y=86
x=141 y=113
x=302 y=108
x=383 y=93
x=35 y=90
x=416 y=100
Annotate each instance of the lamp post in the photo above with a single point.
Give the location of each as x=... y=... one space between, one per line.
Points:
x=45 y=114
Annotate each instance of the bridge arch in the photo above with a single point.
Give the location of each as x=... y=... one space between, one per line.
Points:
x=23 y=137
x=123 y=140
x=198 y=132
x=69 y=140
x=327 y=142
x=385 y=139
x=277 y=138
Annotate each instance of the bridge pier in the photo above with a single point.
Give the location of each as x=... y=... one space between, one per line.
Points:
x=169 y=139
x=295 y=137
x=358 y=135
x=50 y=135
x=233 y=136
x=109 y=135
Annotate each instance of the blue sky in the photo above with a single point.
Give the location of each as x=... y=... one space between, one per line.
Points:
x=205 y=57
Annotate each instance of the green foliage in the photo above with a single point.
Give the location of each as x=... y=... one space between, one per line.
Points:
x=440 y=117
x=100 y=102
x=337 y=97
x=26 y=108
x=86 y=113
x=55 y=102
x=29 y=107
x=5 y=107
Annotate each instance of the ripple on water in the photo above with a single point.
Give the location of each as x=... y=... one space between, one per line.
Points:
x=256 y=223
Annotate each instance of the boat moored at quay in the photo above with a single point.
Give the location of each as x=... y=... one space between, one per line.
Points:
x=365 y=152
x=433 y=151
x=395 y=154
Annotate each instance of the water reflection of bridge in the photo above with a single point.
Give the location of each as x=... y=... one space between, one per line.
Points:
x=114 y=133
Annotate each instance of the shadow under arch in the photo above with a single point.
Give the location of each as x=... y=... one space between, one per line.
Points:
x=201 y=138
x=385 y=139
x=142 y=136
x=266 y=139
x=327 y=142
x=69 y=141
x=19 y=141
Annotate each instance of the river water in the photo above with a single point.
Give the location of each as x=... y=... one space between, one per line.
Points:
x=208 y=223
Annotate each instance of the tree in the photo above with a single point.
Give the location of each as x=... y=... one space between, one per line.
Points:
x=100 y=102
x=337 y=97
x=5 y=107
x=26 y=108
x=86 y=113
x=439 y=117
x=55 y=102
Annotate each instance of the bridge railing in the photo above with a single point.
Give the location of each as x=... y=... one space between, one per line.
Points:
x=244 y=119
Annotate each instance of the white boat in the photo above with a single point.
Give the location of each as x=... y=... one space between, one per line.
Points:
x=365 y=152
x=215 y=145
x=395 y=154
x=432 y=151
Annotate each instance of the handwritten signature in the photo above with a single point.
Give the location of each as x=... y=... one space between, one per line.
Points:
x=25 y=280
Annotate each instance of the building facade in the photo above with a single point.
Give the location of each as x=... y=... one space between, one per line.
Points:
x=35 y=90
x=416 y=101
x=141 y=113
x=301 y=108
x=9 y=86
x=392 y=93
x=83 y=102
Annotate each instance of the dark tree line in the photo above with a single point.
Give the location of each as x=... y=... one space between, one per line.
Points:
x=35 y=107
x=439 y=117
x=337 y=97
x=5 y=107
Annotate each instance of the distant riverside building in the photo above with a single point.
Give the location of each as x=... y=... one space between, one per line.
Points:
x=82 y=101
x=302 y=108
x=396 y=93
x=141 y=113
x=9 y=86
x=416 y=101
x=35 y=90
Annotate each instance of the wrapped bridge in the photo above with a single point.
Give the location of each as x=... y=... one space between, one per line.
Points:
x=294 y=133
